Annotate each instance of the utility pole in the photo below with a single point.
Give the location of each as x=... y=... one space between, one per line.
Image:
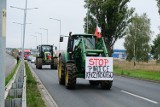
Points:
x=87 y=20
x=24 y=24
x=2 y=50
x=24 y=29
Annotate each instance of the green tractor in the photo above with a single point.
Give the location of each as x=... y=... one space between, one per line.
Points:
x=86 y=57
x=46 y=56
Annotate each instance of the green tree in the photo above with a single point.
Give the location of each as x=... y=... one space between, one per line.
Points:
x=137 y=39
x=91 y=24
x=156 y=47
x=112 y=17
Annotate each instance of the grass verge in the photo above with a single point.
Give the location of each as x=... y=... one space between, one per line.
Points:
x=141 y=74
x=8 y=78
x=33 y=95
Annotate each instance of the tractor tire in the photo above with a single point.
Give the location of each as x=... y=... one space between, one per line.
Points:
x=52 y=66
x=106 y=85
x=39 y=63
x=55 y=63
x=36 y=63
x=70 y=76
x=61 y=72
x=94 y=83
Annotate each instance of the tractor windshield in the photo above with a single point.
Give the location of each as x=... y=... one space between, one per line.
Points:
x=46 y=49
x=89 y=42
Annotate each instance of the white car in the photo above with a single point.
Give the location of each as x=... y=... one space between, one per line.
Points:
x=33 y=59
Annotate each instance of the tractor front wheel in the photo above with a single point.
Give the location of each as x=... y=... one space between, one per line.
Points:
x=52 y=66
x=61 y=72
x=55 y=63
x=39 y=63
x=70 y=76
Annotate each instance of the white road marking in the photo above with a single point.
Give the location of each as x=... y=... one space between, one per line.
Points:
x=152 y=101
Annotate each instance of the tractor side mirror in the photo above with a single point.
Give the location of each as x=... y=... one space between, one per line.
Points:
x=61 y=39
x=37 y=47
x=55 y=47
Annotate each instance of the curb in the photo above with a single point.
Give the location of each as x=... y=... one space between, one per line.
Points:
x=9 y=85
x=49 y=101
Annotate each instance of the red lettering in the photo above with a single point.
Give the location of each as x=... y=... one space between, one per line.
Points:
x=106 y=61
x=91 y=62
x=96 y=61
x=101 y=62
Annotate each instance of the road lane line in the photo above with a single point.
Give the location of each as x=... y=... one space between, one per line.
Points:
x=152 y=101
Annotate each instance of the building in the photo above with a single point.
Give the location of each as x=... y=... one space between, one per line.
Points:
x=119 y=53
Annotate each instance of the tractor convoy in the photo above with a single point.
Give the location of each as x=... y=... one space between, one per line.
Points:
x=86 y=57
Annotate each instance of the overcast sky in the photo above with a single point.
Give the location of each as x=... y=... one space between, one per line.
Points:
x=71 y=14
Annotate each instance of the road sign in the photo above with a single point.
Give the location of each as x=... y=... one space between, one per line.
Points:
x=99 y=68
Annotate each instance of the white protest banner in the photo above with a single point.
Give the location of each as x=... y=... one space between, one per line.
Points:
x=99 y=68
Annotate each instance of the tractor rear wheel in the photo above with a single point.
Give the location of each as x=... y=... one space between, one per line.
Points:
x=52 y=66
x=55 y=63
x=106 y=85
x=61 y=72
x=36 y=64
x=70 y=76
x=94 y=83
x=39 y=63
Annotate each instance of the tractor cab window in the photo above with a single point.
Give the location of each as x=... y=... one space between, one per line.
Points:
x=76 y=42
x=71 y=43
x=46 y=49
x=89 y=42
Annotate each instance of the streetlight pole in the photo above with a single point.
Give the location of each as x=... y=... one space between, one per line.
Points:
x=47 y=33
x=21 y=31
x=36 y=39
x=60 y=29
x=24 y=23
x=41 y=36
x=2 y=50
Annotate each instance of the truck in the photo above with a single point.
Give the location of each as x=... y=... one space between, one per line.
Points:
x=46 y=56
x=27 y=52
x=85 y=57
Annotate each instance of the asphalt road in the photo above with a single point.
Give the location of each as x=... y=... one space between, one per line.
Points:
x=10 y=64
x=124 y=93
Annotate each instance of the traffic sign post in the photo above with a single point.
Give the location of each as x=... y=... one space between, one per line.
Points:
x=2 y=49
